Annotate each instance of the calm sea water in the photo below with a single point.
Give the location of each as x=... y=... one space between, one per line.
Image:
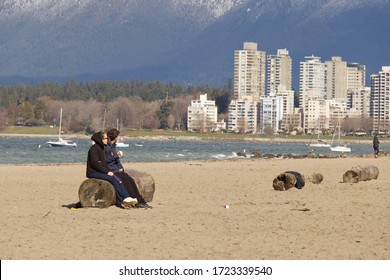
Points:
x=27 y=150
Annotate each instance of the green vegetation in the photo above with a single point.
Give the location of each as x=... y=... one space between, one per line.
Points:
x=29 y=130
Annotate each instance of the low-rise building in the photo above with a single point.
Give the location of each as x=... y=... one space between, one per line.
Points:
x=202 y=114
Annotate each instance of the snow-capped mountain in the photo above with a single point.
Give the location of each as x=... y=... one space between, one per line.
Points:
x=181 y=40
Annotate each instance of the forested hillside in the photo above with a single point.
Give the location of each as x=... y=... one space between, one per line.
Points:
x=135 y=104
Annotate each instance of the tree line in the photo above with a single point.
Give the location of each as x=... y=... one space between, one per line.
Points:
x=87 y=106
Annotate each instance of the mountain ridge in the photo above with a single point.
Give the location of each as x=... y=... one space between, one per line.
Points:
x=187 y=41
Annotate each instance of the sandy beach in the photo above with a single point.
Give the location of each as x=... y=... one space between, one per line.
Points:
x=332 y=220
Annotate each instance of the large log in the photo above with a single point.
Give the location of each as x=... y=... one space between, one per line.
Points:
x=100 y=193
x=96 y=193
x=315 y=178
x=145 y=184
x=358 y=173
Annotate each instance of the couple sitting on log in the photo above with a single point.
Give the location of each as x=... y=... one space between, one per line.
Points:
x=104 y=163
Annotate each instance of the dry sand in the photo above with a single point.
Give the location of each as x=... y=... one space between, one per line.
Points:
x=327 y=221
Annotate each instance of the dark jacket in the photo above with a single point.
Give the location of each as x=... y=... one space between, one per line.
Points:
x=376 y=142
x=112 y=159
x=96 y=161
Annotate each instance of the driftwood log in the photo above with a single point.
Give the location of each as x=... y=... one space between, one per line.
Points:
x=361 y=173
x=145 y=184
x=96 y=193
x=315 y=178
x=100 y=193
x=290 y=179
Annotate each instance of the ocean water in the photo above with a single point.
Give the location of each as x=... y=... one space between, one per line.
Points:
x=35 y=151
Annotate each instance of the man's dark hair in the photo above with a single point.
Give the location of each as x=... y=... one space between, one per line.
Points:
x=113 y=133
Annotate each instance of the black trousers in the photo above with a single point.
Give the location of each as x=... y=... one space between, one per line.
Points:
x=131 y=186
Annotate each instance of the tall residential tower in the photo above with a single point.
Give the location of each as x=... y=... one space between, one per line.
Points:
x=279 y=72
x=249 y=72
x=336 y=78
x=312 y=77
x=380 y=100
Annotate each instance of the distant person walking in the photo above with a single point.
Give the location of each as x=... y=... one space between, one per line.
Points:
x=375 y=145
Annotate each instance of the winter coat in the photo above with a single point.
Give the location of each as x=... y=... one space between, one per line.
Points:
x=96 y=161
x=112 y=159
x=376 y=142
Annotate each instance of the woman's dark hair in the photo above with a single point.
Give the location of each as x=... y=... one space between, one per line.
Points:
x=113 y=133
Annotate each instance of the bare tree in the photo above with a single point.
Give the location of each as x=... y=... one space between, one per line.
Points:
x=179 y=110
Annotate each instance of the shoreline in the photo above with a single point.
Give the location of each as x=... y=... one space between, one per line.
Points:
x=254 y=158
x=191 y=138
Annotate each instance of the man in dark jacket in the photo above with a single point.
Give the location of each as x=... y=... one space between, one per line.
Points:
x=97 y=168
x=114 y=164
x=375 y=145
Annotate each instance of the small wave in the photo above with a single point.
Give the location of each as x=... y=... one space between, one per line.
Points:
x=180 y=155
x=219 y=156
x=233 y=155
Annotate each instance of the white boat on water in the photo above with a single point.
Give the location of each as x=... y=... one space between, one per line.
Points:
x=61 y=142
x=320 y=143
x=342 y=148
x=120 y=144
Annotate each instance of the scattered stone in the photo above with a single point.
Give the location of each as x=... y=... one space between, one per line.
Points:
x=241 y=154
x=257 y=154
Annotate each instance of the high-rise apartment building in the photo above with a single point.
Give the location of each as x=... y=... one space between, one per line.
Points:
x=312 y=77
x=336 y=78
x=380 y=100
x=279 y=72
x=249 y=72
x=356 y=77
x=359 y=100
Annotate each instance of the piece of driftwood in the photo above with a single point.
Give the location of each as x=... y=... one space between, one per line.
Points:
x=145 y=184
x=315 y=178
x=361 y=173
x=288 y=180
x=100 y=193
x=96 y=193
